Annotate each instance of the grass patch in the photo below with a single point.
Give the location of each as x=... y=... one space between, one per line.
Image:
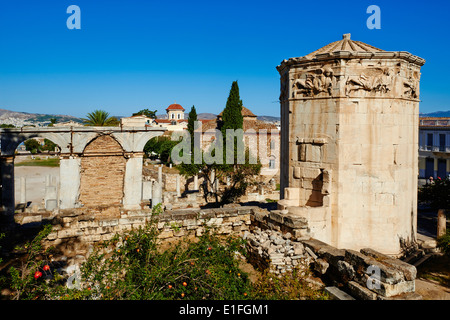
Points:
x=51 y=162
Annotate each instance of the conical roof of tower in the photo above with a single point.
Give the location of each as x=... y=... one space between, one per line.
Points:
x=346 y=44
x=346 y=48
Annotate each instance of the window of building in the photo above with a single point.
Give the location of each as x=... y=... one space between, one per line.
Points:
x=179 y=116
x=173 y=116
x=272 y=144
x=272 y=164
x=442 y=142
x=429 y=141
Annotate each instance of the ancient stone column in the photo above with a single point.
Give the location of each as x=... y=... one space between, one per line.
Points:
x=196 y=182
x=23 y=190
x=51 y=193
x=69 y=186
x=156 y=193
x=349 y=144
x=441 y=223
x=160 y=174
x=132 y=188
x=146 y=190
x=7 y=199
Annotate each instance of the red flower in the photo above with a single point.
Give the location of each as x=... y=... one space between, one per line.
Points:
x=37 y=274
x=46 y=267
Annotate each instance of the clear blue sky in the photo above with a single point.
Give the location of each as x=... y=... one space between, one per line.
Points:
x=132 y=54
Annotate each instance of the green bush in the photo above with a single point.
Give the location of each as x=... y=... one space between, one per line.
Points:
x=133 y=266
x=136 y=269
x=33 y=278
x=444 y=243
x=436 y=194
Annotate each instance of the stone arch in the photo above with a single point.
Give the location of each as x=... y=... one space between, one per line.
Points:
x=10 y=145
x=102 y=173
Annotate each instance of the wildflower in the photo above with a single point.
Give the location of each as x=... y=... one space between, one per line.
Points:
x=46 y=267
x=184 y=284
x=37 y=274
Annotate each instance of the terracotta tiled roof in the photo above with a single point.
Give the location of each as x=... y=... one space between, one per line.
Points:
x=247 y=124
x=175 y=107
x=245 y=112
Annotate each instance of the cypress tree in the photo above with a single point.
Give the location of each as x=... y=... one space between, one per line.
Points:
x=192 y=117
x=232 y=114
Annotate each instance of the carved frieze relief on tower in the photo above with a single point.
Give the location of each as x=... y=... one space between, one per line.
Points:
x=411 y=85
x=372 y=80
x=313 y=83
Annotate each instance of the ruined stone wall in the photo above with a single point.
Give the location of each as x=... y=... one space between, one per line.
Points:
x=102 y=173
x=76 y=230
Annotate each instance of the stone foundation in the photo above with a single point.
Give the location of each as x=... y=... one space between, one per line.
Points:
x=280 y=253
x=365 y=274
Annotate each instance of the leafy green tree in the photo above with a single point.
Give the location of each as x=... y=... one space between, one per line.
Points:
x=232 y=114
x=436 y=194
x=52 y=122
x=100 y=118
x=4 y=125
x=32 y=145
x=48 y=145
x=238 y=174
x=192 y=117
x=146 y=112
x=162 y=146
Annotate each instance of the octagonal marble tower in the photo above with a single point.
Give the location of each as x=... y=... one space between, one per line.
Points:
x=349 y=130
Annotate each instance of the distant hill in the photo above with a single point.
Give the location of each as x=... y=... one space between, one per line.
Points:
x=35 y=117
x=206 y=116
x=436 y=114
x=268 y=118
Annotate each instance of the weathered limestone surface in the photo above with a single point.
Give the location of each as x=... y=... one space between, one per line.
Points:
x=75 y=230
x=355 y=269
x=349 y=115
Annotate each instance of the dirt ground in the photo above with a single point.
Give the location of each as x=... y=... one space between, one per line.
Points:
x=433 y=279
x=431 y=290
x=35 y=182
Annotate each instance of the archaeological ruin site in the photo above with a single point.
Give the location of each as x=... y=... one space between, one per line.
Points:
x=347 y=199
